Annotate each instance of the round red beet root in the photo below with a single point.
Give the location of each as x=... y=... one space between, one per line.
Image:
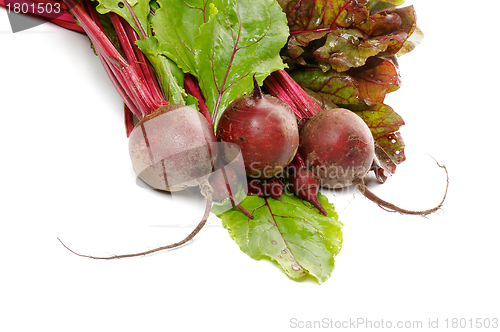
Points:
x=338 y=146
x=264 y=128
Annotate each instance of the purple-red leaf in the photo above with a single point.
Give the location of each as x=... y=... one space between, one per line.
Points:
x=320 y=14
x=381 y=119
x=298 y=45
x=390 y=152
x=338 y=88
x=373 y=83
x=349 y=48
x=341 y=34
x=411 y=42
x=344 y=51
x=384 y=124
x=404 y=31
x=365 y=85
x=380 y=24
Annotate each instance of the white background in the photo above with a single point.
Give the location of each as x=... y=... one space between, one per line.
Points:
x=65 y=172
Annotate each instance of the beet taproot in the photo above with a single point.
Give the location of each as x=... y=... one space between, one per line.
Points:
x=338 y=146
x=173 y=148
x=264 y=128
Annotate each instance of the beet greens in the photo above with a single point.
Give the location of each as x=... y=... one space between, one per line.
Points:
x=322 y=122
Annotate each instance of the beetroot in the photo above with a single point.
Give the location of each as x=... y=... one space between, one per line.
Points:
x=338 y=146
x=173 y=148
x=266 y=130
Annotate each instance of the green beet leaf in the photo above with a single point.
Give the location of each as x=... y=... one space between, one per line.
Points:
x=176 y=25
x=169 y=75
x=223 y=43
x=290 y=232
x=243 y=38
x=140 y=9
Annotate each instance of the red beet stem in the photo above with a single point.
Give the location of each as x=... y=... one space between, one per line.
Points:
x=145 y=85
x=129 y=120
x=126 y=46
x=67 y=25
x=275 y=89
x=143 y=33
x=191 y=86
x=114 y=73
x=138 y=86
x=63 y=18
x=152 y=82
x=123 y=39
x=98 y=37
x=282 y=86
x=138 y=90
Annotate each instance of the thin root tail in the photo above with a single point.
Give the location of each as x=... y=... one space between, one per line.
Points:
x=170 y=246
x=393 y=208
